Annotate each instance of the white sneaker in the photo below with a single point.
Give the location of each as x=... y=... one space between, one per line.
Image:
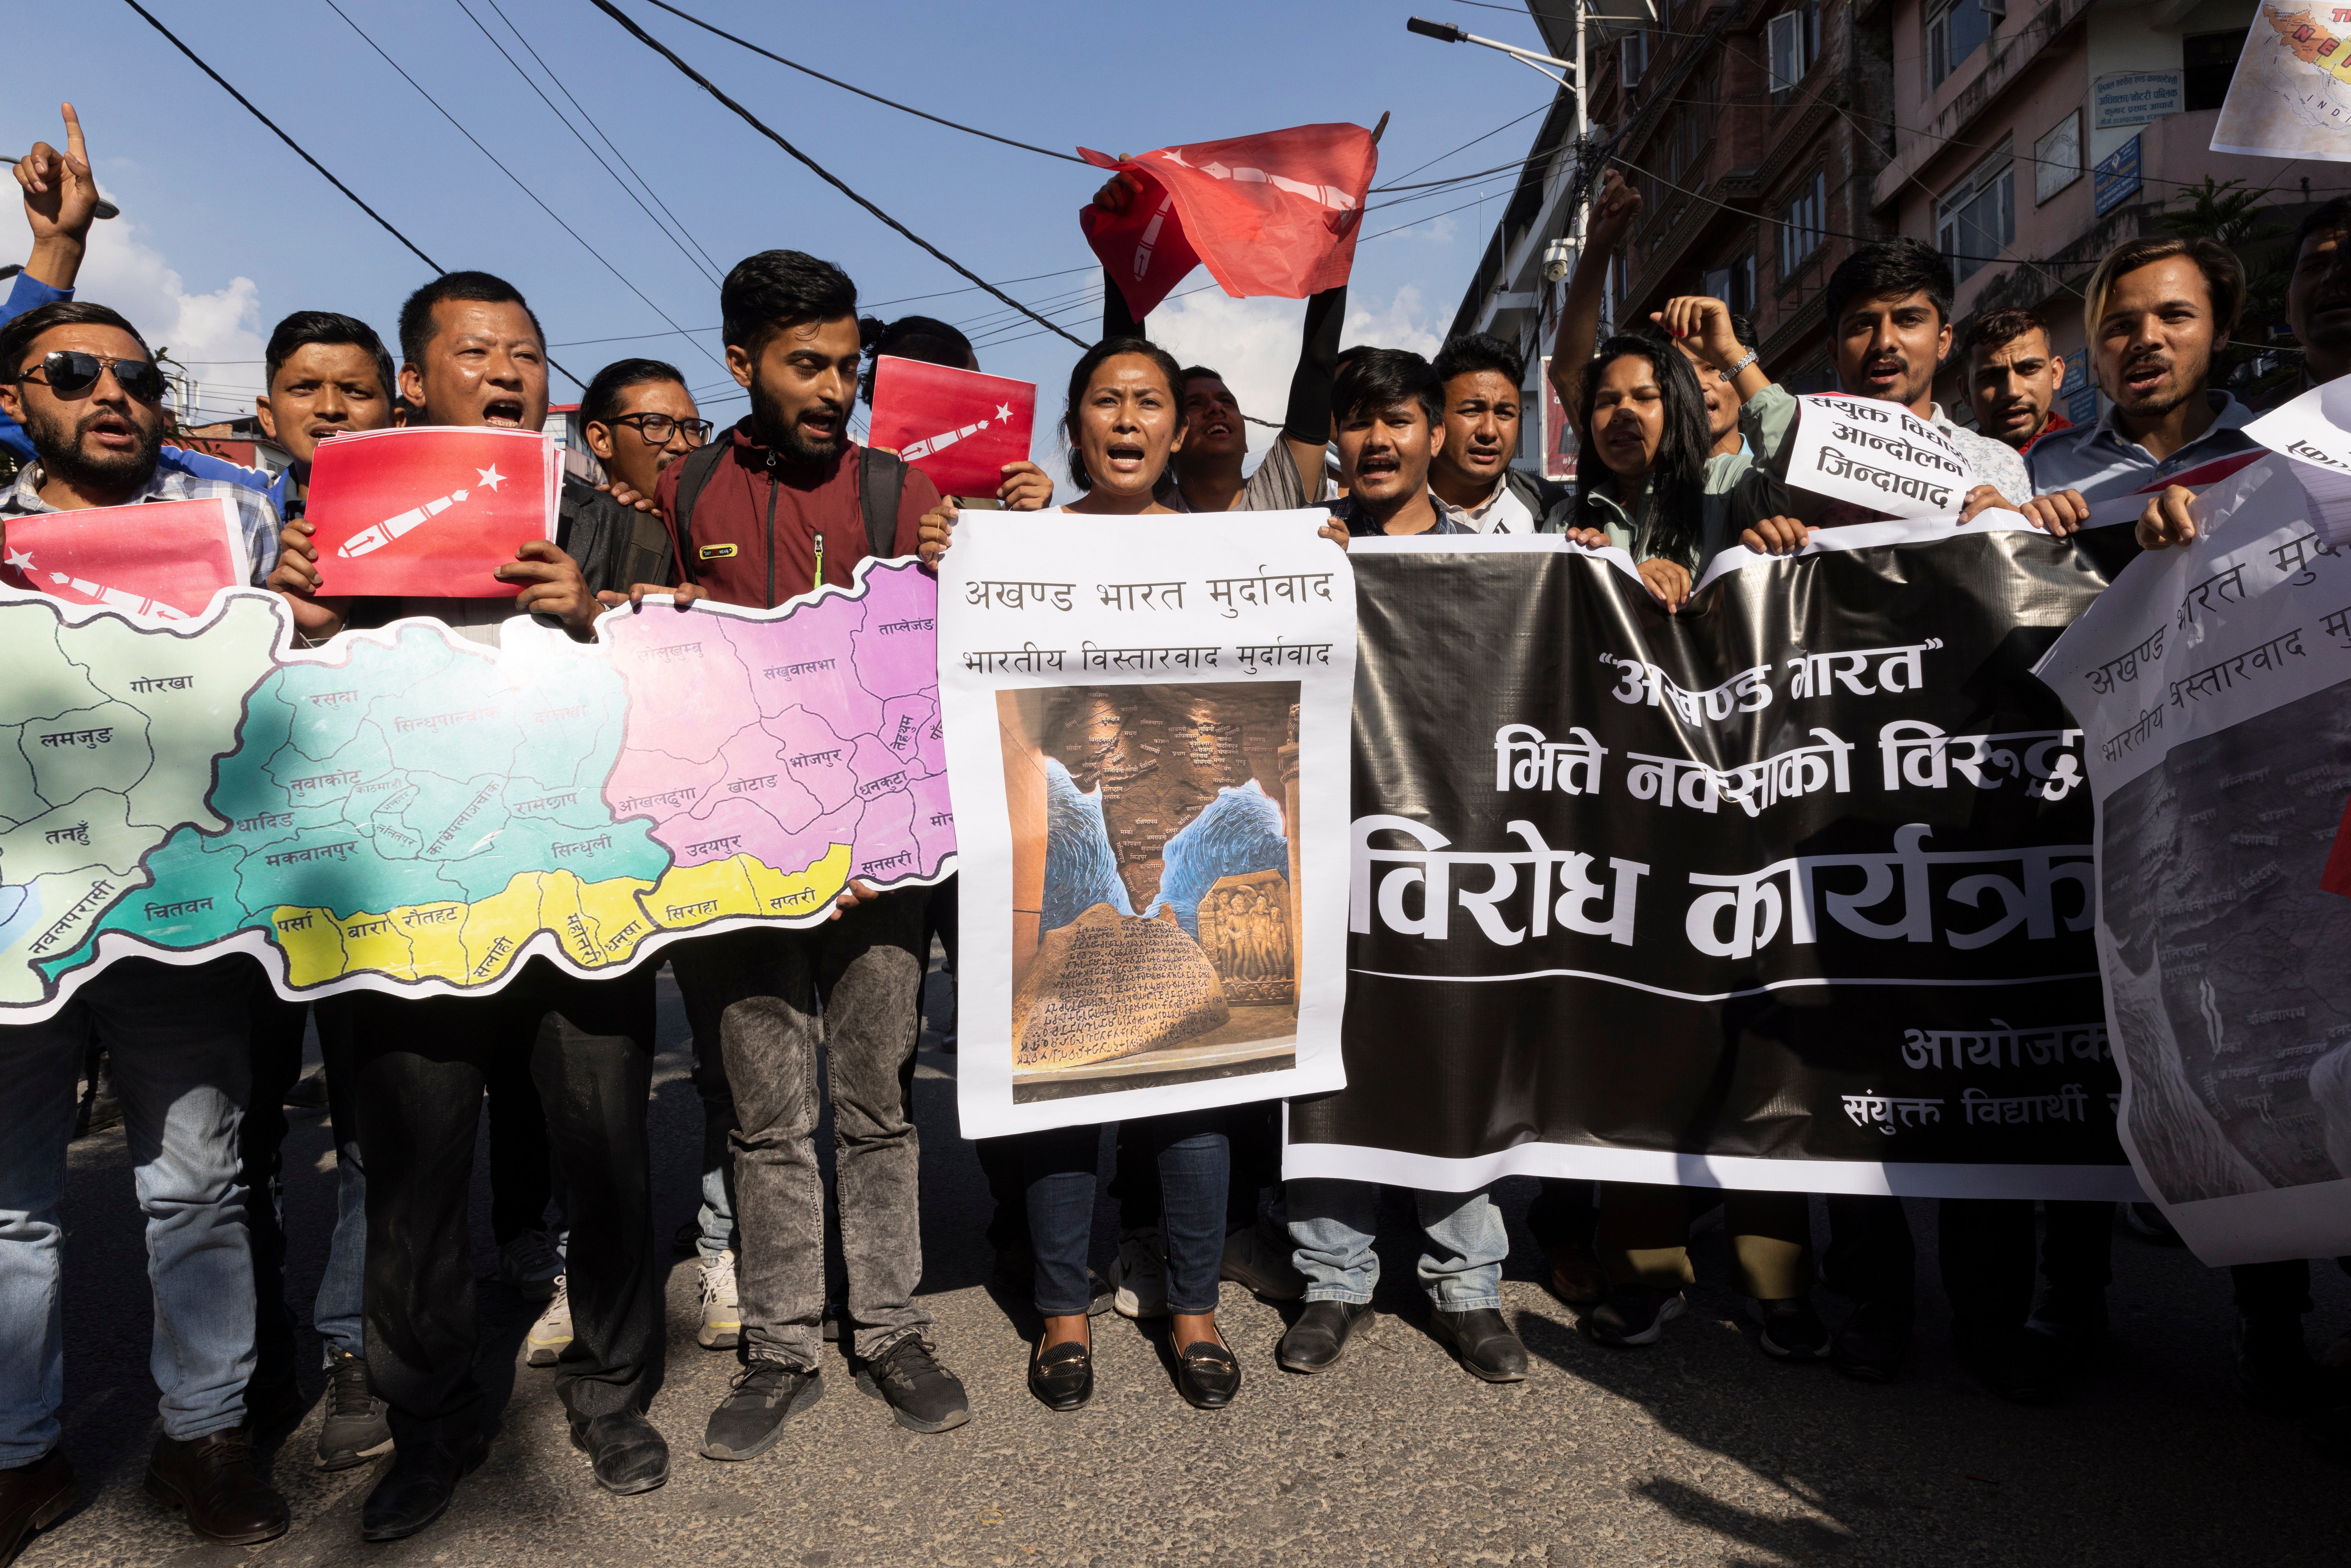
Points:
x=530 y=1266
x=1138 y=1276
x=553 y=1331
x=722 y=1320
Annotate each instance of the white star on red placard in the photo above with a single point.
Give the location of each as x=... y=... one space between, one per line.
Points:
x=490 y=478
x=1004 y=412
x=22 y=560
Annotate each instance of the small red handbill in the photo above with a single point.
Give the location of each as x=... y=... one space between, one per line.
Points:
x=432 y=512
x=160 y=558
x=957 y=426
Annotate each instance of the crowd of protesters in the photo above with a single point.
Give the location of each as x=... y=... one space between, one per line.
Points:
x=1685 y=439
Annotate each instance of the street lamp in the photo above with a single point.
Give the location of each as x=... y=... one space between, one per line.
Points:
x=1446 y=33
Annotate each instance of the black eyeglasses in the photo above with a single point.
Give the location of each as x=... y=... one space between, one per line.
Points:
x=658 y=428
x=70 y=373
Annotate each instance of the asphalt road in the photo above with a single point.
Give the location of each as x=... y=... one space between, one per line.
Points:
x=1699 y=1450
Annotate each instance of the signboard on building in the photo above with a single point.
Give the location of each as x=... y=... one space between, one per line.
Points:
x=2081 y=392
x=2134 y=97
x=2115 y=178
x=1558 y=460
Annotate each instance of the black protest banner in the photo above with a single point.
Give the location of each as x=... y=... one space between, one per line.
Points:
x=1792 y=890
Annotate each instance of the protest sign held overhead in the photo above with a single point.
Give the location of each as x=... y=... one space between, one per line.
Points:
x=960 y=427
x=1275 y=214
x=1877 y=455
x=1149 y=749
x=2213 y=686
x=165 y=558
x=431 y=512
x=1792 y=890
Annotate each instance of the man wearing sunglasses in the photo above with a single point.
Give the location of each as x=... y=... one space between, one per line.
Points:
x=82 y=383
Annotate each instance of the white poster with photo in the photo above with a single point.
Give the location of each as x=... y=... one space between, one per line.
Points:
x=2314 y=430
x=1147 y=724
x=1877 y=455
x=2213 y=683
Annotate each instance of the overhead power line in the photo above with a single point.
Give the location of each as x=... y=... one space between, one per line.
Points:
x=249 y=109
x=877 y=97
x=757 y=124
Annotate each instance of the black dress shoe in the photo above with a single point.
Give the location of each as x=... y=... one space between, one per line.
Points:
x=1207 y=1375
x=213 y=1478
x=1062 y=1376
x=628 y=1456
x=1483 y=1341
x=34 y=1497
x=1319 y=1338
x=418 y=1483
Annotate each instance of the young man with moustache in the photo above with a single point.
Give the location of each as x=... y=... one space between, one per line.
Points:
x=84 y=385
x=1208 y=468
x=1471 y=472
x=327 y=375
x=473 y=355
x=2013 y=378
x=782 y=501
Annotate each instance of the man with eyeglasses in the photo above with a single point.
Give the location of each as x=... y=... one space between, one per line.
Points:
x=83 y=384
x=639 y=418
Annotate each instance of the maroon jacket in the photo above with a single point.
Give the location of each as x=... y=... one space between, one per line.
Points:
x=756 y=527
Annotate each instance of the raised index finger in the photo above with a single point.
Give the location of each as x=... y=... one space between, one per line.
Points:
x=74 y=147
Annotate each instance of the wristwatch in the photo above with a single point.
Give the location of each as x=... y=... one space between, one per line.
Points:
x=1733 y=372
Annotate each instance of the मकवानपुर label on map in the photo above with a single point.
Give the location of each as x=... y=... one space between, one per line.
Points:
x=409 y=811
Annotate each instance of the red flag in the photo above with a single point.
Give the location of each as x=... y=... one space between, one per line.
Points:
x=957 y=426
x=431 y=512
x=1276 y=213
x=165 y=558
x=2336 y=877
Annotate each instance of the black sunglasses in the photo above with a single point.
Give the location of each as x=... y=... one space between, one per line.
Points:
x=657 y=429
x=70 y=373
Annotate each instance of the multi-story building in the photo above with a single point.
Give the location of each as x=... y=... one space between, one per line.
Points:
x=2031 y=142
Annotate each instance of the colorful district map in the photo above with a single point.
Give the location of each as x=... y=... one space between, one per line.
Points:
x=410 y=811
x=2291 y=96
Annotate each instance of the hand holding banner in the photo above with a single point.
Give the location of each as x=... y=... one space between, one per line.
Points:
x=430 y=513
x=161 y=559
x=1275 y=214
x=957 y=426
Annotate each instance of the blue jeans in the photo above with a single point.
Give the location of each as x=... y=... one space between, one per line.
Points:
x=177 y=1037
x=1194 y=1165
x=276 y=1062
x=1332 y=1224
x=716 y=1215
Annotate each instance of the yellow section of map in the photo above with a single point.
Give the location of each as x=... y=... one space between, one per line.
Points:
x=599 y=925
x=2312 y=44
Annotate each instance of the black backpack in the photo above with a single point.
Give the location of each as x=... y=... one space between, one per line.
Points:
x=881 y=480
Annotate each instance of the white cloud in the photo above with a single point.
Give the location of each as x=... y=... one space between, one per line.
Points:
x=210 y=333
x=1402 y=323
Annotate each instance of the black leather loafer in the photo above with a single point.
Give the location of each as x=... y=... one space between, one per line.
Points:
x=627 y=1454
x=1207 y=1375
x=1319 y=1338
x=1483 y=1341
x=1063 y=1376
x=418 y=1483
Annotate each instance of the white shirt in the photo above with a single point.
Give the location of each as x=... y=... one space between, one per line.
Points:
x=1499 y=513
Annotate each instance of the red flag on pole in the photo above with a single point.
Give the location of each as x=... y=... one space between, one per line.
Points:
x=1275 y=214
x=163 y=559
x=957 y=426
x=430 y=513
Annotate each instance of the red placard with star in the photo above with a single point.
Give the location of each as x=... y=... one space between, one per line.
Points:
x=161 y=559
x=957 y=426
x=429 y=513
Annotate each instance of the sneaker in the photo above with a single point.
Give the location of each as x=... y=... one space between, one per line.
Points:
x=308 y=1092
x=764 y=1396
x=553 y=1331
x=1258 y=1258
x=530 y=1268
x=923 y=1396
x=722 y=1318
x=1791 y=1329
x=2149 y=1223
x=1138 y=1276
x=358 y=1427
x=687 y=1241
x=1632 y=1316
x=829 y=1326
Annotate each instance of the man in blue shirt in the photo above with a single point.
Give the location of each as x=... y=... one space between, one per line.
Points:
x=60 y=200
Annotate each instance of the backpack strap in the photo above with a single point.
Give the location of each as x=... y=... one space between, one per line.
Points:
x=882 y=483
x=693 y=473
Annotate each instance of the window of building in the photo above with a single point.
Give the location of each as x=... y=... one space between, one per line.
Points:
x=2207 y=61
x=1792 y=43
x=2057 y=158
x=1804 y=223
x=1976 y=219
x=1631 y=58
x=1734 y=283
x=1953 y=33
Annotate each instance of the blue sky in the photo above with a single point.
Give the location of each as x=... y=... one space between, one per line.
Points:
x=224 y=230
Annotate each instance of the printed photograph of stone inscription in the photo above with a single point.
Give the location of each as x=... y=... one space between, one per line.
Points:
x=2229 y=987
x=1155 y=885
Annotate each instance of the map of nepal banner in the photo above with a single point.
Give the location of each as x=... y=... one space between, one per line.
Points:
x=405 y=810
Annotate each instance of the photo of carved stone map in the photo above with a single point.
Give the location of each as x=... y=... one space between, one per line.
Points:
x=1155 y=886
